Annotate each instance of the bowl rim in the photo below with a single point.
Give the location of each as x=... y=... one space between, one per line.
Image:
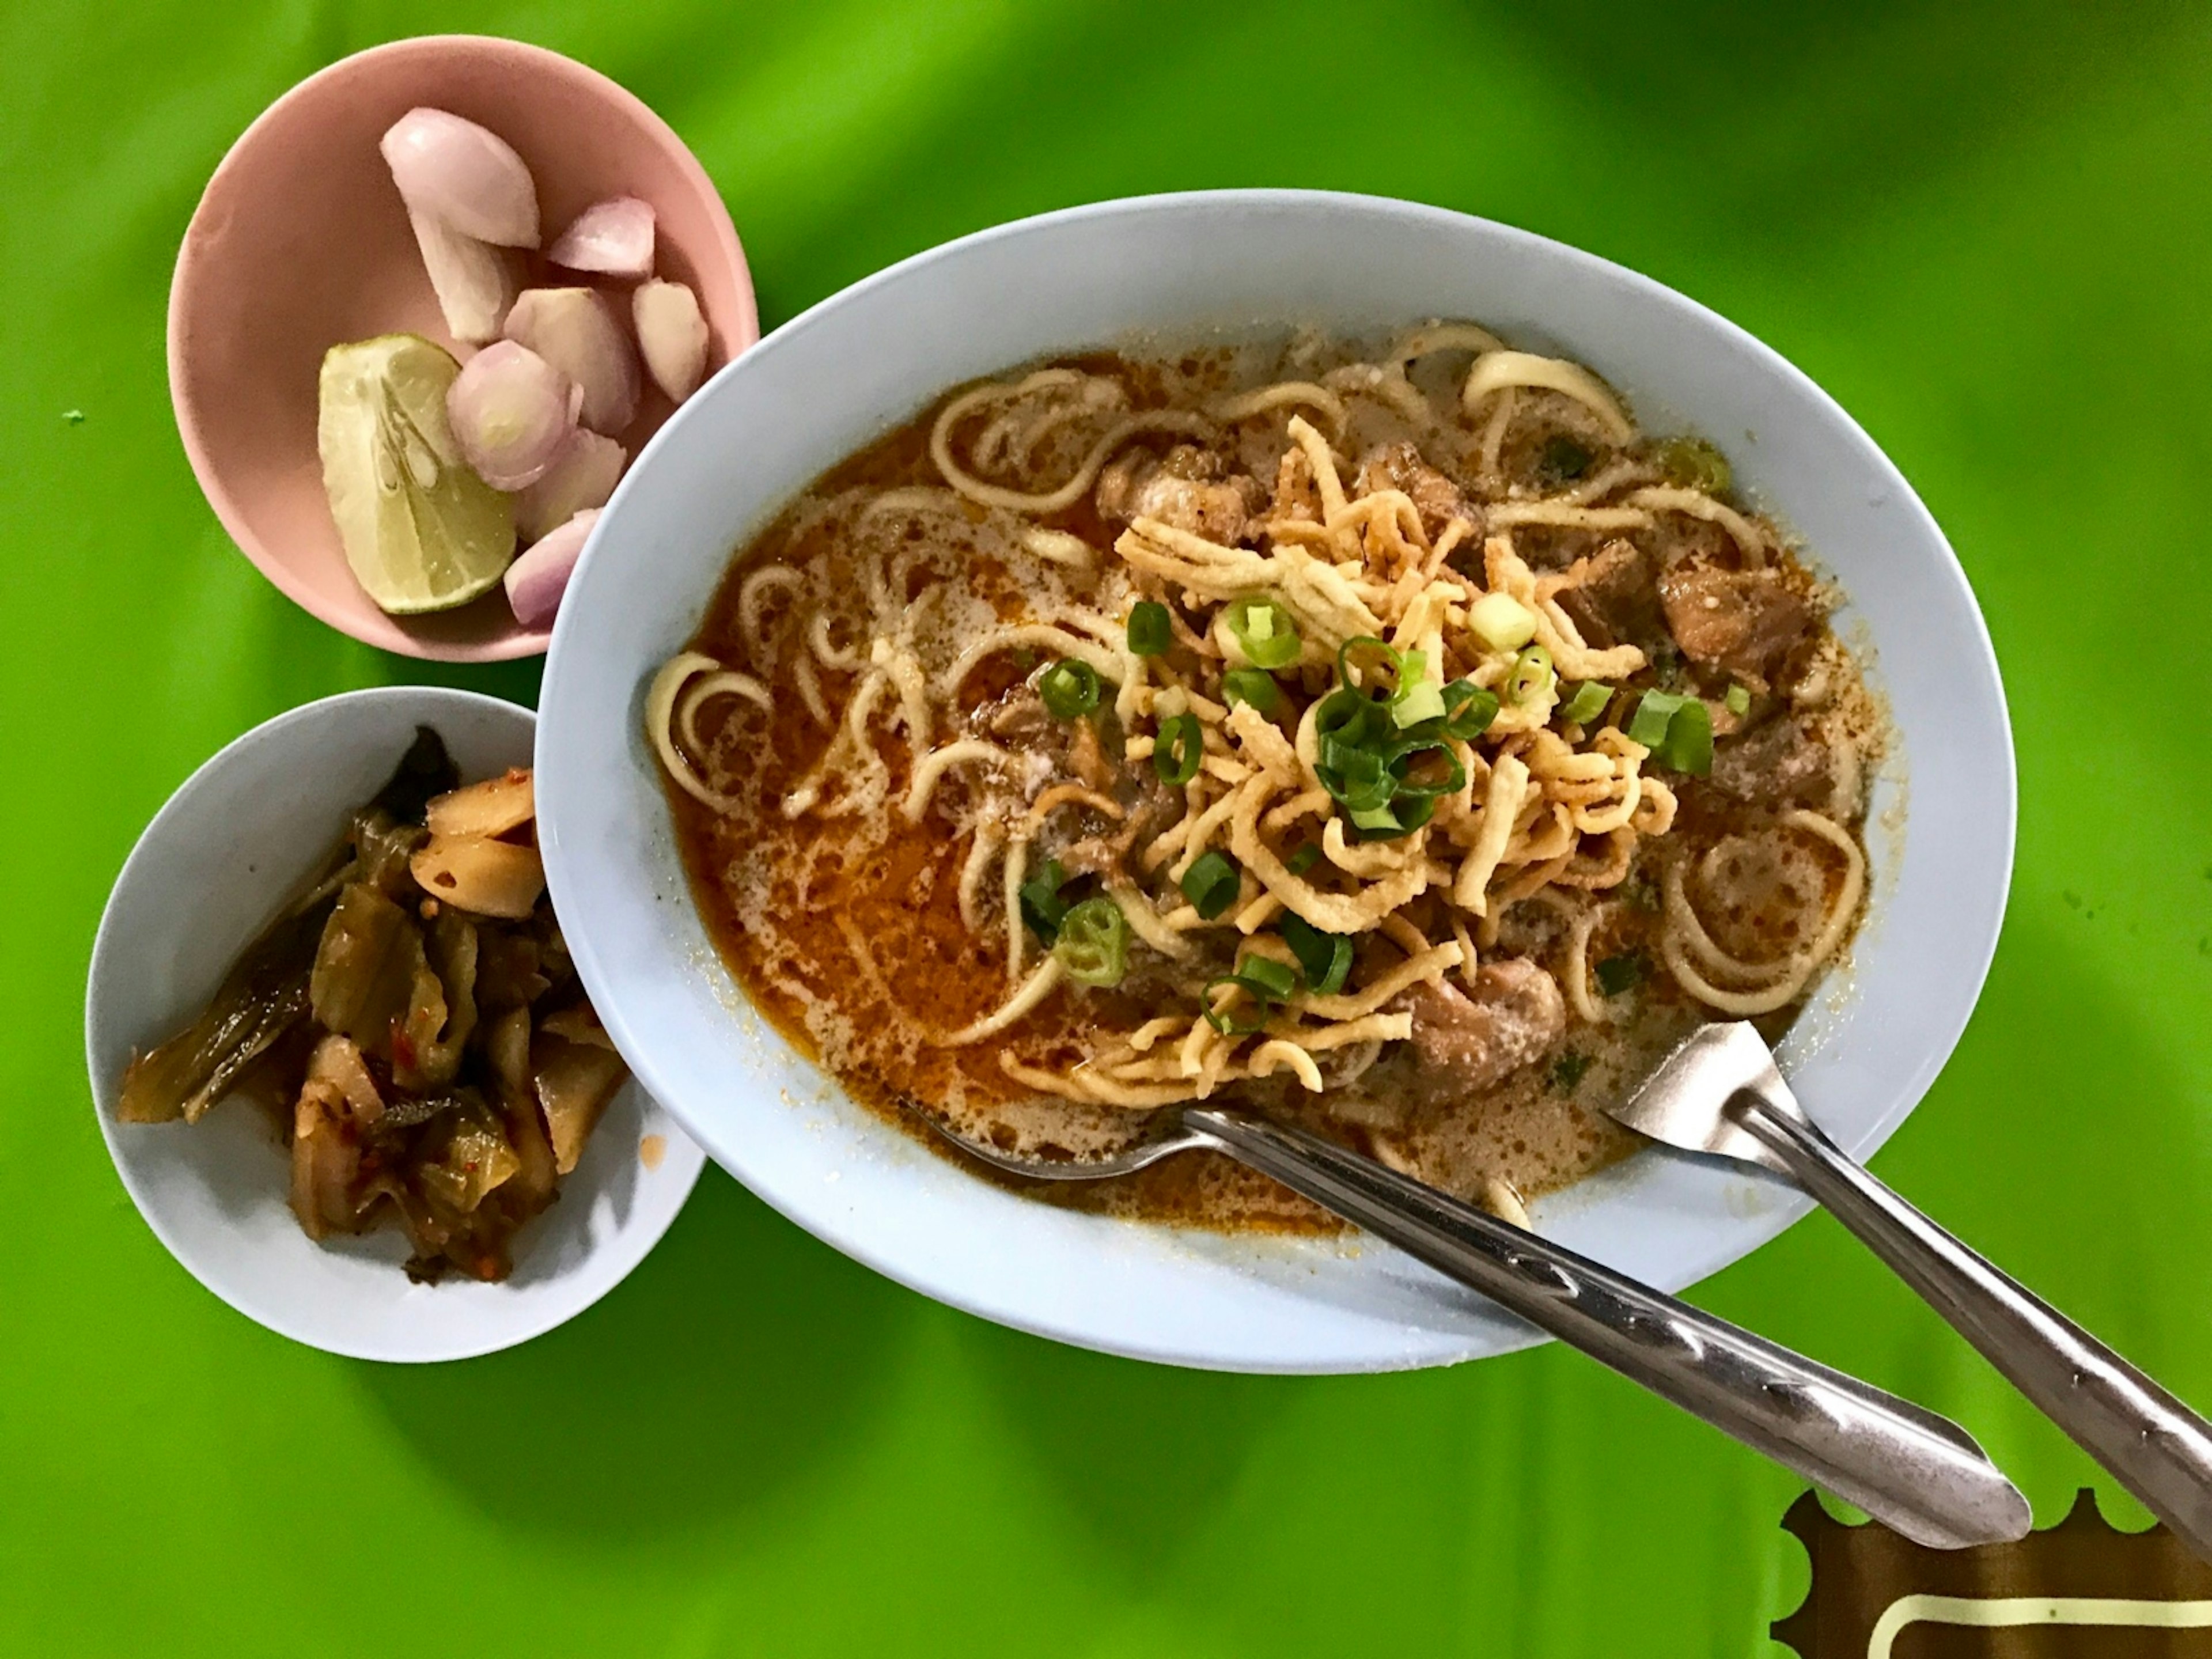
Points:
x=682 y=1150
x=1749 y=1233
x=523 y=642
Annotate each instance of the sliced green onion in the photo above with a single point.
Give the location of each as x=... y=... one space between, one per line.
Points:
x=1303 y=860
x=1616 y=974
x=1264 y=630
x=1276 y=980
x=1587 y=703
x=1218 y=1011
x=1093 y=946
x=1468 y=710
x=1693 y=464
x=1677 y=729
x=1425 y=702
x=1689 y=745
x=1339 y=968
x=1413 y=779
x=1368 y=665
x=1413 y=812
x=1326 y=957
x=1401 y=818
x=1501 y=622
x=1381 y=737
x=1567 y=1070
x=1149 y=632
x=1358 y=778
x=1178 y=748
x=1531 y=678
x=1043 y=908
x=1418 y=697
x=1379 y=821
x=1738 y=701
x=1212 y=885
x=1069 y=688
x=1648 y=725
x=1253 y=685
x=1347 y=718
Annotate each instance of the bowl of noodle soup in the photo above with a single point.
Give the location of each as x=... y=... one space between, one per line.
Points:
x=898 y=862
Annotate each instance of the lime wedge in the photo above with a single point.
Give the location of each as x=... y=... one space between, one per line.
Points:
x=420 y=531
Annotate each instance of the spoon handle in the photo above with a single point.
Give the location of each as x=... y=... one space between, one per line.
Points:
x=2153 y=1443
x=1920 y=1473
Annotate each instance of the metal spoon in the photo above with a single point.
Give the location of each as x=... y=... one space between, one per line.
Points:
x=1919 y=1473
x=1722 y=1093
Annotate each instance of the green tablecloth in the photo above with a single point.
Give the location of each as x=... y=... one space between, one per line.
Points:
x=1985 y=228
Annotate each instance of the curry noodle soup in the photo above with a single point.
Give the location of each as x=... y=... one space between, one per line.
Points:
x=1389 y=737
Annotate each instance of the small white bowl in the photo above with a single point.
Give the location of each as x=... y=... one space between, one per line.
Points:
x=211 y=869
x=866 y=359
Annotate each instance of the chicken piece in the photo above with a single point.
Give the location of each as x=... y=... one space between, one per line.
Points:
x=1464 y=1042
x=1781 y=763
x=1088 y=756
x=1745 y=621
x=1149 y=807
x=1190 y=488
x=1616 y=600
x=1020 y=720
x=1400 y=466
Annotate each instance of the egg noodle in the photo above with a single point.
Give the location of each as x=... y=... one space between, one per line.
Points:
x=875 y=669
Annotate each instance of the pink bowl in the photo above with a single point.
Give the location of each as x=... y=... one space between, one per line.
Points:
x=300 y=242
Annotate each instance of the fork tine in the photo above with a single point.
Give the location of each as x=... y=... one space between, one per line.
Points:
x=1162 y=1134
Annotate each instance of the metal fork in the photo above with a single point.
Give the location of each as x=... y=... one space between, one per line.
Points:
x=1722 y=1093
x=1919 y=1473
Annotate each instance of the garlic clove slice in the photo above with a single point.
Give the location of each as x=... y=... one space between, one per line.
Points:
x=463 y=174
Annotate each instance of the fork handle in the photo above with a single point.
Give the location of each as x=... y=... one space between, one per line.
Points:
x=1918 y=1472
x=2153 y=1444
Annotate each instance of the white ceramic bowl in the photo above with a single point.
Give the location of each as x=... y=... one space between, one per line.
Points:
x=865 y=361
x=205 y=877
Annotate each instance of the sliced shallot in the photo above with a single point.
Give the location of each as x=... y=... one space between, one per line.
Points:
x=574 y=330
x=535 y=581
x=583 y=475
x=614 y=238
x=474 y=281
x=673 y=335
x=511 y=410
x=465 y=175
